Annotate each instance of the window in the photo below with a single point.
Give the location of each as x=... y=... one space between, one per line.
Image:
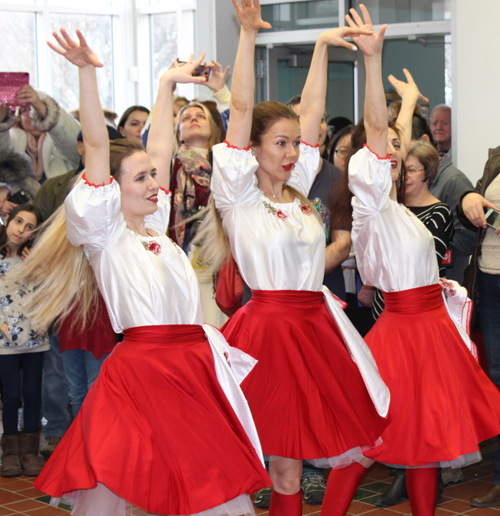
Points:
x=18 y=43
x=98 y=33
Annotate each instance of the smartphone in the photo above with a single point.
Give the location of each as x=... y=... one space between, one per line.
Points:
x=202 y=70
x=493 y=218
x=10 y=84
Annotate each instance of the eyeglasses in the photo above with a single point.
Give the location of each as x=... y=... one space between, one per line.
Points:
x=413 y=171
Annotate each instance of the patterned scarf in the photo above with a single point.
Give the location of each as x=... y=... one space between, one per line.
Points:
x=191 y=190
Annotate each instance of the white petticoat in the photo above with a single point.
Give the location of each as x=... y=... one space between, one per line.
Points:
x=100 y=501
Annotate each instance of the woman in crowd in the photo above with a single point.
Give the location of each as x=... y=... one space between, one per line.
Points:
x=298 y=391
x=132 y=122
x=21 y=348
x=196 y=132
x=156 y=429
x=341 y=146
x=482 y=280
x=442 y=404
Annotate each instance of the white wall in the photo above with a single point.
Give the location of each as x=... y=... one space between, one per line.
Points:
x=476 y=83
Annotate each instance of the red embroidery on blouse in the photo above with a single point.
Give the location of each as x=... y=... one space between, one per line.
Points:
x=309 y=145
x=306 y=210
x=374 y=153
x=280 y=215
x=234 y=146
x=84 y=177
x=165 y=191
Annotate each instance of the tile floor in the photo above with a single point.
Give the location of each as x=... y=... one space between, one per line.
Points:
x=19 y=497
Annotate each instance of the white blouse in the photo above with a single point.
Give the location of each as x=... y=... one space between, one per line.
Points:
x=139 y=286
x=394 y=250
x=277 y=246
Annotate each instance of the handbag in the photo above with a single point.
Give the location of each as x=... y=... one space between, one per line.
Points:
x=229 y=288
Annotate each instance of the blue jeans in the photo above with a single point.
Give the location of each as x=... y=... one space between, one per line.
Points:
x=55 y=397
x=308 y=470
x=81 y=369
x=10 y=375
x=489 y=314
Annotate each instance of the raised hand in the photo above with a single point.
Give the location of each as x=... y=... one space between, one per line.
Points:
x=369 y=45
x=249 y=15
x=407 y=89
x=28 y=94
x=335 y=37
x=218 y=76
x=79 y=54
x=183 y=72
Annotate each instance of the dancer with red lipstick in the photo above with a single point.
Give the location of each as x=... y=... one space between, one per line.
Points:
x=165 y=428
x=442 y=404
x=309 y=398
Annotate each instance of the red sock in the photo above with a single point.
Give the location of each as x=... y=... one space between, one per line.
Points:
x=421 y=484
x=286 y=505
x=341 y=488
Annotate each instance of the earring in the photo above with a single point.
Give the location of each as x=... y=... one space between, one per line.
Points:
x=252 y=150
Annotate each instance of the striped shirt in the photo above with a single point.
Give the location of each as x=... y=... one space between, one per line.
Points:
x=438 y=219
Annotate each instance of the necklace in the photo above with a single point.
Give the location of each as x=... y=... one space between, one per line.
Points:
x=272 y=195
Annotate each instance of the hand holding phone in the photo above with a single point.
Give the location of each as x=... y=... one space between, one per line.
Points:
x=492 y=218
x=10 y=84
x=200 y=71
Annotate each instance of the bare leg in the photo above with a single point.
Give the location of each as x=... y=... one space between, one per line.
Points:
x=286 y=499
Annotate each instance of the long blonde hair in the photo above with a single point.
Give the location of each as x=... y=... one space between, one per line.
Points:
x=61 y=274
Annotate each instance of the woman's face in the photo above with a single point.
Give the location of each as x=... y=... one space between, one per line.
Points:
x=414 y=177
x=26 y=123
x=279 y=150
x=341 y=151
x=138 y=186
x=134 y=125
x=20 y=228
x=194 y=127
x=394 y=151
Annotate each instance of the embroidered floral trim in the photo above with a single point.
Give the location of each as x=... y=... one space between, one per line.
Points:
x=84 y=177
x=275 y=211
x=153 y=246
x=309 y=145
x=305 y=209
x=375 y=154
x=229 y=146
x=165 y=191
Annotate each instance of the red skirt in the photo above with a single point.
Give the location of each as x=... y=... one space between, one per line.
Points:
x=306 y=394
x=157 y=429
x=442 y=403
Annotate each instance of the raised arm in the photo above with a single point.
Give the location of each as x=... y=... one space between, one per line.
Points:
x=313 y=100
x=161 y=138
x=409 y=93
x=95 y=135
x=375 y=105
x=243 y=86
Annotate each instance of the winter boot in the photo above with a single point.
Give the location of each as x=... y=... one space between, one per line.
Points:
x=29 y=445
x=11 y=459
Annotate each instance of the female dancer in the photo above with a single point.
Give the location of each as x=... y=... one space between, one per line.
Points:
x=156 y=429
x=306 y=393
x=442 y=404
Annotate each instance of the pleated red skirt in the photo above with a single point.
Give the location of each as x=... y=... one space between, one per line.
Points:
x=157 y=429
x=306 y=394
x=442 y=403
